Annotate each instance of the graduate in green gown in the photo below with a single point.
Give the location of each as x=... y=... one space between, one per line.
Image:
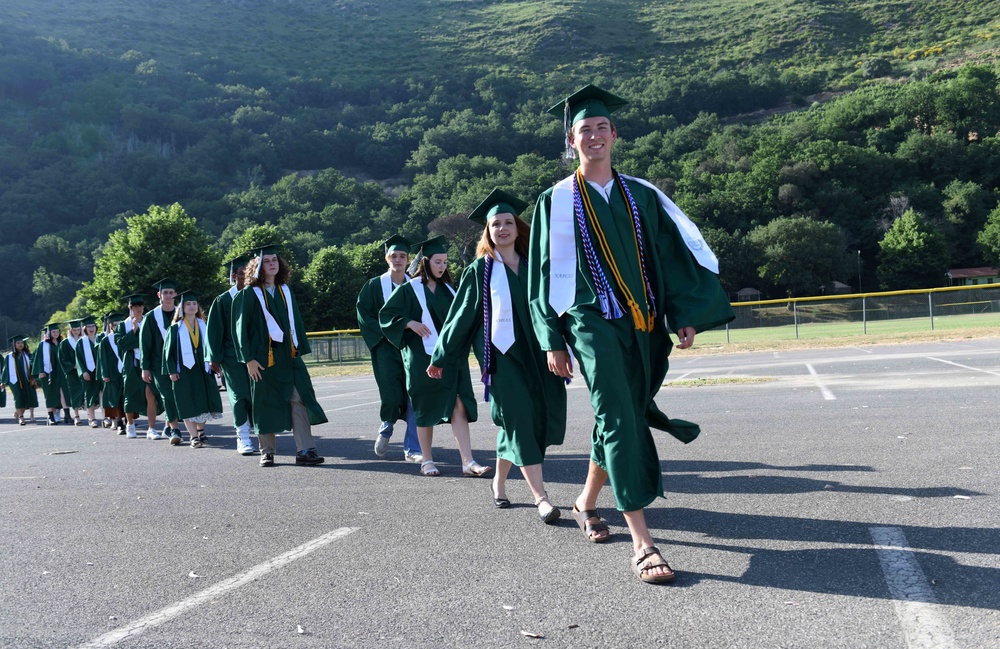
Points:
x=387 y=363
x=270 y=340
x=221 y=353
x=610 y=256
x=109 y=368
x=151 y=335
x=411 y=320
x=87 y=369
x=72 y=385
x=138 y=395
x=16 y=374
x=490 y=313
x=192 y=380
x=46 y=372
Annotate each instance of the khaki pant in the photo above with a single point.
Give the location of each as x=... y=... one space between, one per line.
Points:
x=301 y=430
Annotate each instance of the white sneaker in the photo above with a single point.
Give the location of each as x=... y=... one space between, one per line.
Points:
x=381 y=445
x=244 y=445
x=130 y=431
x=413 y=457
x=152 y=434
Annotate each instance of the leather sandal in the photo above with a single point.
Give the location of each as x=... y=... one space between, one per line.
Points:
x=475 y=470
x=591 y=530
x=647 y=559
x=428 y=469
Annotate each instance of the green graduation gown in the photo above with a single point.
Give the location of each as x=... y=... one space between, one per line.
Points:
x=24 y=393
x=111 y=377
x=133 y=387
x=52 y=382
x=270 y=395
x=624 y=367
x=221 y=349
x=91 y=388
x=433 y=400
x=72 y=383
x=387 y=362
x=528 y=402
x=151 y=358
x=195 y=392
x=3 y=385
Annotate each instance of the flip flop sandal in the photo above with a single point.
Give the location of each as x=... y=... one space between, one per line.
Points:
x=647 y=559
x=591 y=530
x=475 y=470
x=428 y=469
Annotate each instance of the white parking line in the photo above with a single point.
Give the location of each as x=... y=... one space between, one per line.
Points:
x=966 y=367
x=822 y=387
x=345 y=394
x=164 y=615
x=356 y=405
x=916 y=606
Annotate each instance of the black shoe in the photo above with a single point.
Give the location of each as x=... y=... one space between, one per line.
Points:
x=52 y=420
x=267 y=459
x=310 y=457
x=120 y=426
x=67 y=419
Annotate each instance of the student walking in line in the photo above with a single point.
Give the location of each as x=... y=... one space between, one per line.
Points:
x=490 y=314
x=387 y=362
x=610 y=256
x=110 y=367
x=192 y=380
x=138 y=395
x=270 y=340
x=411 y=320
x=72 y=384
x=151 y=335
x=16 y=374
x=45 y=370
x=87 y=369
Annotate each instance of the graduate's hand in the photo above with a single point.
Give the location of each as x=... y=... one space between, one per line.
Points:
x=147 y=376
x=216 y=368
x=254 y=369
x=560 y=363
x=41 y=375
x=86 y=376
x=418 y=328
x=107 y=380
x=175 y=377
x=685 y=337
x=434 y=371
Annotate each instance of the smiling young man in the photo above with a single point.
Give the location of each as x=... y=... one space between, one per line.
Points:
x=151 y=334
x=387 y=362
x=610 y=256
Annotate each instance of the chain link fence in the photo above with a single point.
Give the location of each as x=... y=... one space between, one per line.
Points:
x=339 y=347
x=860 y=314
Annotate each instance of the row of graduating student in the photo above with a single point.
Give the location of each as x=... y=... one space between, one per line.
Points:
x=609 y=267
x=164 y=362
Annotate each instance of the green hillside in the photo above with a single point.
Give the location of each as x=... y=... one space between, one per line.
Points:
x=343 y=121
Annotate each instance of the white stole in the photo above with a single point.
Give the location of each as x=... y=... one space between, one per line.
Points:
x=88 y=355
x=425 y=313
x=46 y=357
x=12 y=368
x=387 y=285
x=562 y=240
x=233 y=291
x=273 y=328
x=114 y=346
x=158 y=317
x=72 y=341
x=501 y=307
x=187 y=347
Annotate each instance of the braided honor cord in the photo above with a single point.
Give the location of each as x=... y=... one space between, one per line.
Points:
x=642 y=248
x=486 y=326
x=611 y=309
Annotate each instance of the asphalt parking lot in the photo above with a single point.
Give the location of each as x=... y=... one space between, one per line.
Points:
x=836 y=498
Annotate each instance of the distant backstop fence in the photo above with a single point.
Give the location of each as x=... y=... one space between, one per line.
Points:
x=957 y=307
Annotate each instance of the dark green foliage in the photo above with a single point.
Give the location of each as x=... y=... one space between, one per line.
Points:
x=912 y=254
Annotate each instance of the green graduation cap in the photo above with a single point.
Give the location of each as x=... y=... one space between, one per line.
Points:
x=165 y=283
x=435 y=246
x=588 y=101
x=396 y=242
x=188 y=295
x=237 y=261
x=498 y=202
x=52 y=326
x=260 y=251
x=114 y=317
x=89 y=320
x=75 y=324
x=134 y=298
x=19 y=337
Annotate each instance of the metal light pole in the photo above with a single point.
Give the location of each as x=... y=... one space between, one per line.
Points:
x=859 y=270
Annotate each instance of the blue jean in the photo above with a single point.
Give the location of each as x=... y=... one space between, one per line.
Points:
x=411 y=444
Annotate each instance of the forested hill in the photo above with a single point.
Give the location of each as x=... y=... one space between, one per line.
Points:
x=340 y=122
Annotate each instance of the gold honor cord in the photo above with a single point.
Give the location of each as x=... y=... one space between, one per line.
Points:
x=194 y=333
x=639 y=318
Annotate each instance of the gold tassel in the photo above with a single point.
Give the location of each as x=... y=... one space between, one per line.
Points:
x=270 y=357
x=295 y=352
